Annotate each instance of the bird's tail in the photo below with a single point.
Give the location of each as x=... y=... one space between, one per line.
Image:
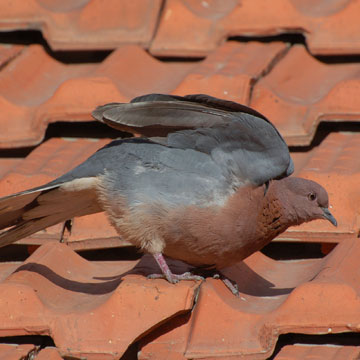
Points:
x=27 y=212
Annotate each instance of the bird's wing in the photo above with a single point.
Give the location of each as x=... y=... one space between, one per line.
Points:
x=243 y=142
x=159 y=114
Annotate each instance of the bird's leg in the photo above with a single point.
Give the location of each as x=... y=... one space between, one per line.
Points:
x=231 y=285
x=168 y=275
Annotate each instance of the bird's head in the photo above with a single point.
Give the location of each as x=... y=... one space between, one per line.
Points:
x=306 y=199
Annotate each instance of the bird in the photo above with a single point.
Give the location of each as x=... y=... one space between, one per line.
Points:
x=207 y=181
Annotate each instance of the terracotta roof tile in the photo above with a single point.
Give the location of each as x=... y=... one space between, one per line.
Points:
x=8 y=52
x=98 y=309
x=48 y=353
x=296 y=101
x=335 y=164
x=16 y=352
x=27 y=351
x=89 y=309
x=231 y=70
x=6 y=164
x=57 y=293
x=276 y=297
x=318 y=352
x=36 y=89
x=329 y=27
x=84 y=24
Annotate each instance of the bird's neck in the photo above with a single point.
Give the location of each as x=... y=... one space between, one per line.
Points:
x=276 y=214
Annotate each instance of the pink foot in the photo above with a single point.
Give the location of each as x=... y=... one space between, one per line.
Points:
x=174 y=278
x=168 y=275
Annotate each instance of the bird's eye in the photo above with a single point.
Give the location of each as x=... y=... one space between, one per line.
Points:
x=312 y=196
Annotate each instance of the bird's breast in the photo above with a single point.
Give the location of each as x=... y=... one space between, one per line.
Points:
x=219 y=236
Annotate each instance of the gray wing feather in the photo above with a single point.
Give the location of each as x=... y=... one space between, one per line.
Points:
x=243 y=142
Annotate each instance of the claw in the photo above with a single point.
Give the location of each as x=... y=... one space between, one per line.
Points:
x=168 y=275
x=174 y=278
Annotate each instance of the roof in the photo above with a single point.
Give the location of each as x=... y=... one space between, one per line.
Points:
x=84 y=289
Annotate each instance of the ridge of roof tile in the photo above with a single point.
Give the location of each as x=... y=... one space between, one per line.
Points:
x=297 y=101
x=328 y=27
x=84 y=24
x=231 y=70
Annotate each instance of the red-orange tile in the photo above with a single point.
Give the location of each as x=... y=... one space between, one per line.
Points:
x=35 y=89
x=335 y=164
x=301 y=91
x=94 y=310
x=276 y=297
x=9 y=52
x=48 y=353
x=7 y=164
x=16 y=352
x=80 y=24
x=329 y=27
x=169 y=341
x=230 y=71
x=318 y=352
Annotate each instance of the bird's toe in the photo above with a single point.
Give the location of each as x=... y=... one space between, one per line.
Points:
x=175 y=278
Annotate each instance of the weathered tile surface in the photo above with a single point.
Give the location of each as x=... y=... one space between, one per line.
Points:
x=79 y=24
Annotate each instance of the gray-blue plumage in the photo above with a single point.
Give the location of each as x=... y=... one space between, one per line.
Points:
x=140 y=170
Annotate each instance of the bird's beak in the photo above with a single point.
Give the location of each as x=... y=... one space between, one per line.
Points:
x=328 y=216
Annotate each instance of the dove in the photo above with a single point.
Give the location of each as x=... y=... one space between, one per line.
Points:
x=208 y=183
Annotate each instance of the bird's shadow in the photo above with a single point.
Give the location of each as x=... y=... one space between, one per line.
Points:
x=98 y=288
x=249 y=282
x=252 y=283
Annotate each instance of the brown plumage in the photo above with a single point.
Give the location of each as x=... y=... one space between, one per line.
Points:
x=219 y=236
x=210 y=193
